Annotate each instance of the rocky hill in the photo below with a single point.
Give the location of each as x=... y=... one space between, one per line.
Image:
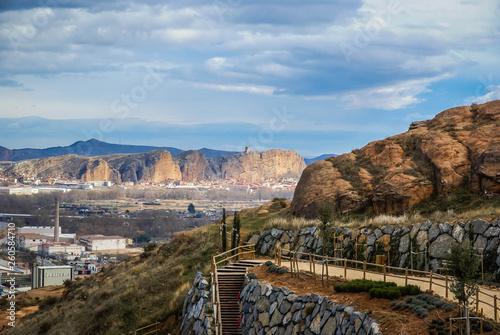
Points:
x=458 y=150
x=159 y=166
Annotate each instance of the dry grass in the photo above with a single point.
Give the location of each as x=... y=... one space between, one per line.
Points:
x=292 y=223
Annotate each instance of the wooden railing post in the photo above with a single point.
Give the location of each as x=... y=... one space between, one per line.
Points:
x=446 y=294
x=310 y=263
x=406 y=276
x=364 y=270
x=291 y=263
x=477 y=301
x=345 y=268
x=384 y=272
x=495 y=304
x=430 y=281
x=314 y=268
x=327 y=280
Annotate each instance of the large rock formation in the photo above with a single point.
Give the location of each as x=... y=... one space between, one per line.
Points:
x=158 y=166
x=256 y=166
x=460 y=147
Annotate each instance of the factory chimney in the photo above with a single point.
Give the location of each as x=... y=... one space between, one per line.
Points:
x=56 y=222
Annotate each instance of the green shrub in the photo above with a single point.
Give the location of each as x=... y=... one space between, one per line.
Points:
x=251 y=276
x=385 y=293
x=268 y=263
x=281 y=271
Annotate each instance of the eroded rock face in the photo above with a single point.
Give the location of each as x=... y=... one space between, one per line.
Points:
x=458 y=147
x=158 y=166
x=256 y=166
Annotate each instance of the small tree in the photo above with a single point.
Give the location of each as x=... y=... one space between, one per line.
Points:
x=325 y=214
x=191 y=209
x=463 y=265
x=235 y=240
x=224 y=231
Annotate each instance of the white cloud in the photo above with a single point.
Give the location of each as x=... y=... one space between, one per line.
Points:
x=493 y=94
x=264 y=90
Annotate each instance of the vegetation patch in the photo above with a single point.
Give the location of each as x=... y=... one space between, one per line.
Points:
x=422 y=304
x=274 y=268
x=377 y=289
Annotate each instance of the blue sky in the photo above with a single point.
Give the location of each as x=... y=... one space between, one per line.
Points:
x=314 y=76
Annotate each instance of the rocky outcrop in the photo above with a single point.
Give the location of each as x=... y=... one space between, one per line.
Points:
x=152 y=167
x=159 y=166
x=272 y=310
x=460 y=147
x=419 y=246
x=197 y=310
x=256 y=166
x=192 y=165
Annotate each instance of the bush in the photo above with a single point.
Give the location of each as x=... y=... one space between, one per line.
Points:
x=281 y=271
x=251 y=276
x=385 y=293
x=268 y=263
x=423 y=303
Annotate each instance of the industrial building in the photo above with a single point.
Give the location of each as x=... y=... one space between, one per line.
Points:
x=101 y=242
x=51 y=275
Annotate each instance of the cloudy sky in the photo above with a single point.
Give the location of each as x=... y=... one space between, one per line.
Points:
x=314 y=76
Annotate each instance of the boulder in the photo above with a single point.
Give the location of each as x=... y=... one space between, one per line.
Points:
x=492 y=231
x=445 y=228
x=404 y=244
x=434 y=232
x=440 y=247
x=458 y=233
x=480 y=226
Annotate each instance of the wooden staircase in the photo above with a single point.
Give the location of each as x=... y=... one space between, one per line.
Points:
x=230 y=280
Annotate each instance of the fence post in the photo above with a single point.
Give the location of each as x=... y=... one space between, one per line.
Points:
x=477 y=301
x=406 y=276
x=327 y=280
x=430 y=281
x=291 y=262
x=322 y=270
x=384 y=272
x=495 y=303
x=297 y=265
x=364 y=270
x=345 y=268
x=314 y=268
x=310 y=263
x=279 y=257
x=446 y=286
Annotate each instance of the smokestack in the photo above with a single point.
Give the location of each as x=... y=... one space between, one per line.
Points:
x=56 y=222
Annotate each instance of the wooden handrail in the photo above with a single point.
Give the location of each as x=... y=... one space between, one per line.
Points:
x=427 y=274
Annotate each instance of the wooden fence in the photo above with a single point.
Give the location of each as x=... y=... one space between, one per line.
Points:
x=426 y=279
x=151 y=329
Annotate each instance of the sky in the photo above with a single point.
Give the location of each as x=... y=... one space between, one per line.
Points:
x=314 y=76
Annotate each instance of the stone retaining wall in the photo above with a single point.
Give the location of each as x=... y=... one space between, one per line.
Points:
x=271 y=310
x=197 y=310
x=429 y=241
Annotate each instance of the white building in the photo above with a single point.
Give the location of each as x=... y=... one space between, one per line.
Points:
x=65 y=251
x=51 y=275
x=101 y=242
x=18 y=190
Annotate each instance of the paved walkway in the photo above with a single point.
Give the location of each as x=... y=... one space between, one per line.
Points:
x=438 y=285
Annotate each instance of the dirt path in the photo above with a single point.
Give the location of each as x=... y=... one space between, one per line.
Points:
x=438 y=285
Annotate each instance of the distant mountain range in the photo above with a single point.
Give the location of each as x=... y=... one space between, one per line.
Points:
x=319 y=158
x=93 y=147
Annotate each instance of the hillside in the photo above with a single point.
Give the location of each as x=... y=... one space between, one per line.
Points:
x=451 y=159
x=159 y=166
x=141 y=290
